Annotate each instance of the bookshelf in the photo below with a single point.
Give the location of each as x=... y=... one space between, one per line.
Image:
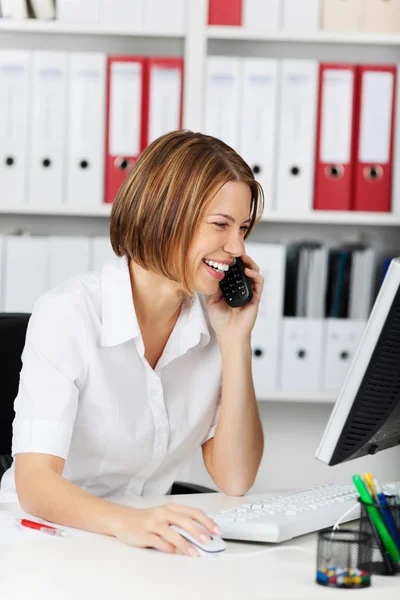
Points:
x=55 y=27
x=378 y=219
x=215 y=32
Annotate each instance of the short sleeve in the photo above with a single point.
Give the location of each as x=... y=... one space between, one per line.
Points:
x=53 y=369
x=211 y=431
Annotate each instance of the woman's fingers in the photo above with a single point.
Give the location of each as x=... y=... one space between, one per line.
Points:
x=178 y=542
x=152 y=540
x=197 y=515
x=257 y=280
x=249 y=262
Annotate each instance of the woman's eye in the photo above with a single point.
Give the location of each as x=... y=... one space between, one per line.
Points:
x=221 y=225
x=244 y=229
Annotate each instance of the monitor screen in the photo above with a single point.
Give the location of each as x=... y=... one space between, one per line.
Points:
x=366 y=415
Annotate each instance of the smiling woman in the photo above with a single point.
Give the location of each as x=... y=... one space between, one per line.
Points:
x=128 y=372
x=158 y=208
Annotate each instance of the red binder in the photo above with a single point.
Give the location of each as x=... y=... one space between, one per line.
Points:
x=337 y=98
x=126 y=118
x=374 y=152
x=225 y=12
x=163 y=96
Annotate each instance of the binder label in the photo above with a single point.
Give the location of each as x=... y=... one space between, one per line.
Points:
x=337 y=105
x=125 y=108
x=376 y=115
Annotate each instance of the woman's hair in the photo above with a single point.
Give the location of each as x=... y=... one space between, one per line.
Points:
x=160 y=203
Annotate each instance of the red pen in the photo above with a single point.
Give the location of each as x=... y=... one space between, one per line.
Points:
x=40 y=527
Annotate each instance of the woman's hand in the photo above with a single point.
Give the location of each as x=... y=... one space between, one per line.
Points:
x=229 y=322
x=150 y=528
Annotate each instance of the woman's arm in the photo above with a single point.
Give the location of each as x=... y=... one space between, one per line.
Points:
x=43 y=492
x=233 y=455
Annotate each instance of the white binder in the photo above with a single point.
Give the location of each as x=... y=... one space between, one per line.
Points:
x=88 y=11
x=124 y=13
x=222 y=108
x=48 y=127
x=302 y=352
x=297 y=135
x=165 y=93
x=86 y=129
x=25 y=271
x=343 y=337
x=43 y=9
x=68 y=257
x=101 y=251
x=258 y=121
x=301 y=16
x=396 y=149
x=167 y=16
x=267 y=332
x=14 y=9
x=262 y=15
x=15 y=93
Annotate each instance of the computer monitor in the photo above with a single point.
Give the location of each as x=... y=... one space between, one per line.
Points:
x=366 y=415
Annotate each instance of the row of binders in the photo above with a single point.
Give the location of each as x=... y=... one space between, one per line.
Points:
x=167 y=16
x=312 y=314
x=307 y=16
x=30 y=265
x=316 y=135
x=66 y=119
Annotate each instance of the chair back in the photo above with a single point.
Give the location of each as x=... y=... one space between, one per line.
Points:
x=12 y=340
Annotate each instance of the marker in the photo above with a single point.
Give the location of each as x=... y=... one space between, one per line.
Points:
x=48 y=529
x=391 y=525
x=373 y=512
x=368 y=480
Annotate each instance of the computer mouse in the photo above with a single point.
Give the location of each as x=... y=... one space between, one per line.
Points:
x=213 y=547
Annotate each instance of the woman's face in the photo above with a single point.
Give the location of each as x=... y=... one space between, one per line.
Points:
x=219 y=236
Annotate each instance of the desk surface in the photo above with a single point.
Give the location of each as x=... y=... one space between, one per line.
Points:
x=101 y=568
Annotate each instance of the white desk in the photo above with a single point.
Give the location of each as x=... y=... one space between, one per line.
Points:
x=102 y=568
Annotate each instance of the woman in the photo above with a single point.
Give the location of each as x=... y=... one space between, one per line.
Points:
x=128 y=372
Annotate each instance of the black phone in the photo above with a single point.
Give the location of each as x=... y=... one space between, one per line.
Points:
x=236 y=286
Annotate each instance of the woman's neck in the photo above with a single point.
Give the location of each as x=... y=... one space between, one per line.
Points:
x=156 y=299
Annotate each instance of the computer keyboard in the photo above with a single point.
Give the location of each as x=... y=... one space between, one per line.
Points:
x=281 y=518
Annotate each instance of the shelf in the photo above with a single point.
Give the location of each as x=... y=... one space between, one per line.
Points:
x=60 y=27
x=295 y=396
x=66 y=211
x=319 y=217
x=328 y=217
x=215 y=32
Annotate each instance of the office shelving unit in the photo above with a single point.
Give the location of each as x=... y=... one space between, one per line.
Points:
x=195 y=44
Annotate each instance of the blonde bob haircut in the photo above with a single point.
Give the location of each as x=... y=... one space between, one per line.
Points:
x=160 y=203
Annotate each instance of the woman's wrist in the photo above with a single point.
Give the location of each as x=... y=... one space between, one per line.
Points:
x=235 y=341
x=118 y=515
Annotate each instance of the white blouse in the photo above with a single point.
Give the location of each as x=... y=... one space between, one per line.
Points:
x=88 y=395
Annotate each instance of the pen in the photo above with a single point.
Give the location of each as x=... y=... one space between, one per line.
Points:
x=391 y=525
x=369 y=481
x=373 y=512
x=390 y=568
x=40 y=527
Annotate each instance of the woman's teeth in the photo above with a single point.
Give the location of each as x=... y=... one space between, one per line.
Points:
x=222 y=268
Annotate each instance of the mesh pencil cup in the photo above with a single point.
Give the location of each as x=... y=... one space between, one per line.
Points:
x=381 y=560
x=343 y=558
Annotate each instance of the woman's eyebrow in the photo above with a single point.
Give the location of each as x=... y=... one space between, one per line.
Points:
x=229 y=217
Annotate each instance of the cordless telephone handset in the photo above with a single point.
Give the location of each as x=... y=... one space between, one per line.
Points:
x=236 y=286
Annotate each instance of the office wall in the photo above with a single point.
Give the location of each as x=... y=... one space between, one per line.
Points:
x=292 y=432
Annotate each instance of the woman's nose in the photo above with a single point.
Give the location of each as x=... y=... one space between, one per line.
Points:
x=234 y=245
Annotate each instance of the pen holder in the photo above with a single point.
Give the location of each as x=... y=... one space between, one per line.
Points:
x=343 y=558
x=381 y=561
